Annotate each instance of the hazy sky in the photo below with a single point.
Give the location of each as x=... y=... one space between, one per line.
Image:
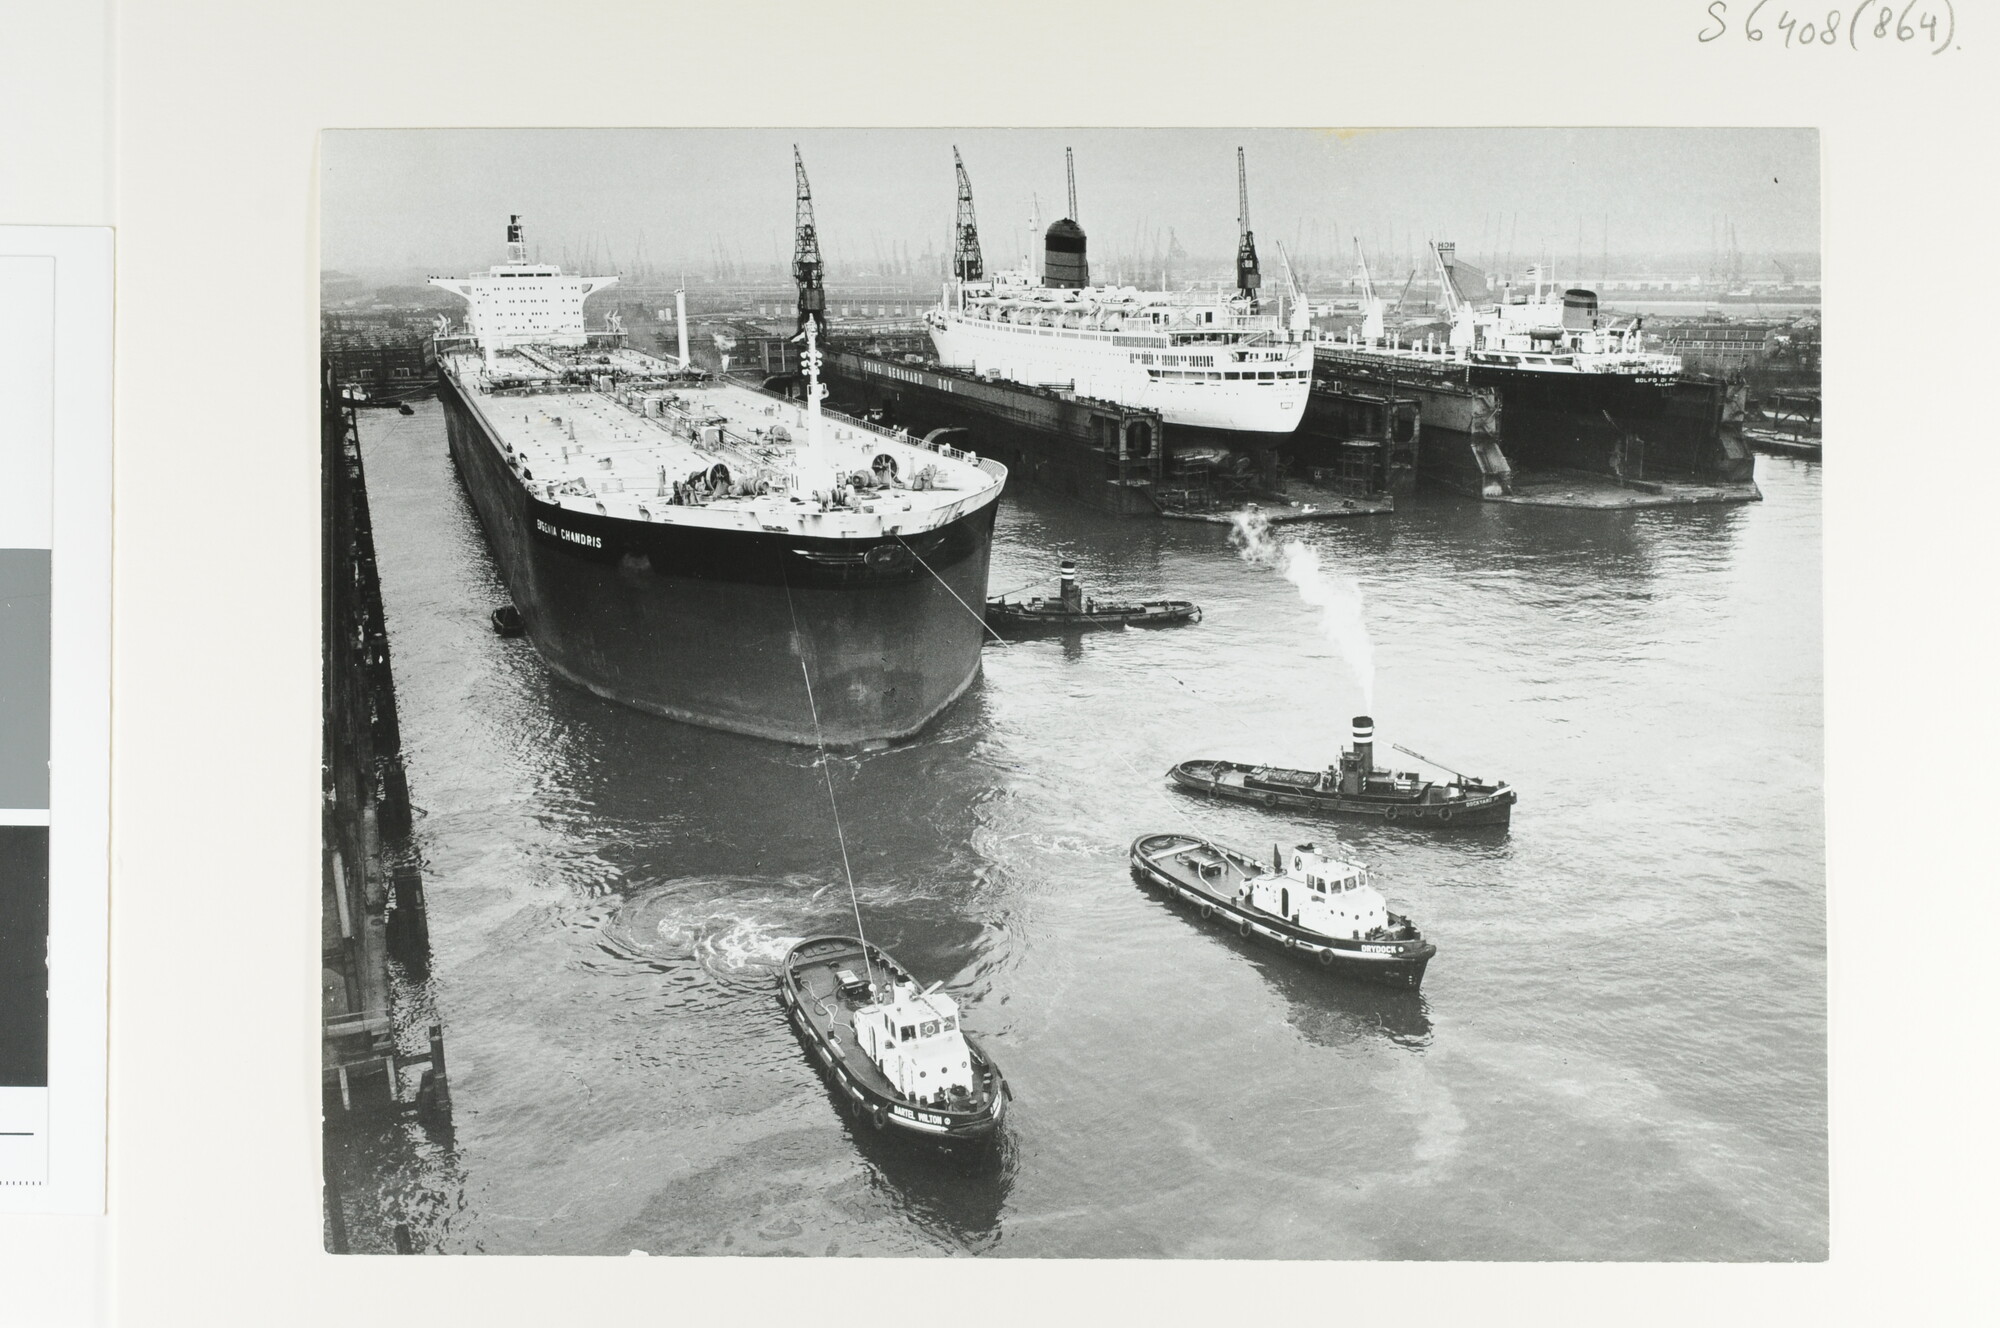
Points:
x=437 y=200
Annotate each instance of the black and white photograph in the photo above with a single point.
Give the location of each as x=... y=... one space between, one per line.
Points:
x=1035 y=662
x=1173 y=694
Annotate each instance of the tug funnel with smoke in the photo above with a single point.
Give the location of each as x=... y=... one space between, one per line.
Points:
x=1337 y=597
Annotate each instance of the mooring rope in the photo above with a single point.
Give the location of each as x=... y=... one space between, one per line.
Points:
x=819 y=739
x=980 y=618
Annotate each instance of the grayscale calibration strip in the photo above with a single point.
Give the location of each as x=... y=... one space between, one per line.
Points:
x=55 y=601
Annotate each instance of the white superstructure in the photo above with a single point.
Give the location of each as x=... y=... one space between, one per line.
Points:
x=1322 y=893
x=1543 y=329
x=1199 y=359
x=518 y=303
x=914 y=1039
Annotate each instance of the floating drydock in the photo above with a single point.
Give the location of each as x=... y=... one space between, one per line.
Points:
x=684 y=544
x=1534 y=382
x=1098 y=452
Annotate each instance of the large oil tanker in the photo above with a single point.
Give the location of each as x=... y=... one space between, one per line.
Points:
x=701 y=549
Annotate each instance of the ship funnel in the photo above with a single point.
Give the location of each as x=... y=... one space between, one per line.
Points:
x=1579 y=310
x=1364 y=744
x=681 y=323
x=1072 y=594
x=1063 y=259
x=517 y=248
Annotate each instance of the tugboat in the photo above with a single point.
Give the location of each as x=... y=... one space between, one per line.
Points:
x=1355 y=786
x=1073 y=612
x=1315 y=906
x=896 y=1052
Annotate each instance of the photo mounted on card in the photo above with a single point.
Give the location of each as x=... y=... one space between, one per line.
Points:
x=55 y=699
x=1074 y=693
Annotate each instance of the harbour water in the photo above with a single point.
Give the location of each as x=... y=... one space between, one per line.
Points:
x=1619 y=1051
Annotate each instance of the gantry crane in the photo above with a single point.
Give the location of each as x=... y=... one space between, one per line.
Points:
x=808 y=270
x=965 y=260
x=1247 y=278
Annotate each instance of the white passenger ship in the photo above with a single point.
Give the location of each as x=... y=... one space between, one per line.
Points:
x=1202 y=359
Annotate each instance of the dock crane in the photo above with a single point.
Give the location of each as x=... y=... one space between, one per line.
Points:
x=965 y=260
x=1247 y=278
x=1300 y=319
x=1372 y=322
x=808 y=269
x=1447 y=284
x=1406 y=292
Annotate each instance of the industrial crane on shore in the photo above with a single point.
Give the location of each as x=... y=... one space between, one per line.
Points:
x=1247 y=278
x=808 y=269
x=965 y=261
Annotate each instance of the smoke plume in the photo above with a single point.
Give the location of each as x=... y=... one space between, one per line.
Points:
x=1337 y=597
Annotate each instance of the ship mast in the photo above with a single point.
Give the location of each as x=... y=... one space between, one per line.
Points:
x=1247 y=278
x=808 y=269
x=965 y=260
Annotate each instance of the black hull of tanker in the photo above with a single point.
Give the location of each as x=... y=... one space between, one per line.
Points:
x=866 y=1094
x=1097 y=452
x=1389 y=963
x=1475 y=810
x=709 y=626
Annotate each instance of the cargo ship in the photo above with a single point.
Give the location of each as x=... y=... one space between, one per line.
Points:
x=1534 y=380
x=699 y=548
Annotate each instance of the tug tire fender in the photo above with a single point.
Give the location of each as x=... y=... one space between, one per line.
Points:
x=877 y=1117
x=1445 y=814
x=1208 y=912
x=1388 y=813
x=1326 y=959
x=1243 y=928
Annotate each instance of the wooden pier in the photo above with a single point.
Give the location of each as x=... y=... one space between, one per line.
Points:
x=371 y=895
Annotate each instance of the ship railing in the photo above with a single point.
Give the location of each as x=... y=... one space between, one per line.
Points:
x=644 y=502
x=1259 y=329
